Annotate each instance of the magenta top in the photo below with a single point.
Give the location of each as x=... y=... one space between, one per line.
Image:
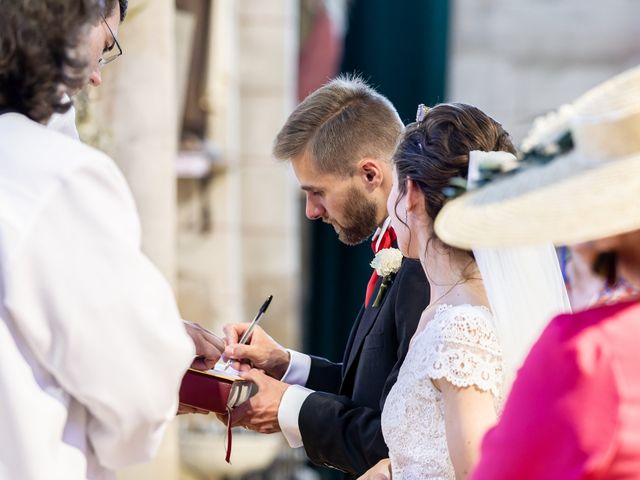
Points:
x=574 y=409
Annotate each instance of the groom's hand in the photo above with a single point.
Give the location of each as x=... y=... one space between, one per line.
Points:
x=260 y=412
x=261 y=351
x=209 y=347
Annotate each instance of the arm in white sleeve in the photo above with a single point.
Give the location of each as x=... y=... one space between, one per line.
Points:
x=289 y=411
x=98 y=315
x=298 y=370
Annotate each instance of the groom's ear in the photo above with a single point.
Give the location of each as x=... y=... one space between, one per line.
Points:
x=370 y=172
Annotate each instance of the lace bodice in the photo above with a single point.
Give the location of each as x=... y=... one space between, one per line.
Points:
x=460 y=345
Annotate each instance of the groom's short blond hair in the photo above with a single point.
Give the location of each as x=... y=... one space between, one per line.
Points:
x=339 y=124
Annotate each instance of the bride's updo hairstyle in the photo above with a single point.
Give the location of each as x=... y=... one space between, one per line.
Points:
x=435 y=149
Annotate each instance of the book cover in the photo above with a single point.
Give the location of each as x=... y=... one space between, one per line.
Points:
x=216 y=390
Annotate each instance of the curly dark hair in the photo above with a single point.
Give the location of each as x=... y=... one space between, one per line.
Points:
x=111 y=4
x=435 y=150
x=39 y=55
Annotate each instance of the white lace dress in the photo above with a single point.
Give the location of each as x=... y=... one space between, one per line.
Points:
x=460 y=345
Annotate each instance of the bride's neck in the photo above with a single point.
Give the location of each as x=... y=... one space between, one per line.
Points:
x=445 y=267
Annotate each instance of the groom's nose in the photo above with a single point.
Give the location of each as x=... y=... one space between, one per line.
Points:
x=314 y=209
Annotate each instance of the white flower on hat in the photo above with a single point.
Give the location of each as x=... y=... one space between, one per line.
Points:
x=548 y=129
x=497 y=161
x=387 y=261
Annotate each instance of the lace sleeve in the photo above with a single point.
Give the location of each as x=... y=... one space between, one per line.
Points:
x=463 y=348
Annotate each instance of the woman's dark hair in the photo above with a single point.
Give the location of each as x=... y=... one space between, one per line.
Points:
x=39 y=54
x=606 y=266
x=435 y=150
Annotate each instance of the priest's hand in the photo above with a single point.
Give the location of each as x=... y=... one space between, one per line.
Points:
x=209 y=347
x=260 y=412
x=261 y=351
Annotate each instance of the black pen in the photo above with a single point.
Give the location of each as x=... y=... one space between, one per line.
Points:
x=247 y=333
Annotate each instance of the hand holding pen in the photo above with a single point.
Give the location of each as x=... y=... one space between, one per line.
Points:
x=247 y=333
x=261 y=350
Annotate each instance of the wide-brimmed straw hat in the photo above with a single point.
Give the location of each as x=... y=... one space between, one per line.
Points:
x=591 y=193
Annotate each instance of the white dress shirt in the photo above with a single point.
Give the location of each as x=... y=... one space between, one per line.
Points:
x=296 y=375
x=92 y=348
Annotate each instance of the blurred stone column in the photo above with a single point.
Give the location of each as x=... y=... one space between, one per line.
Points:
x=267 y=34
x=138 y=101
x=144 y=123
x=252 y=248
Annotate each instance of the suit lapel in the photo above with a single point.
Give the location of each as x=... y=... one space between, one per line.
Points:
x=360 y=331
x=366 y=319
x=352 y=335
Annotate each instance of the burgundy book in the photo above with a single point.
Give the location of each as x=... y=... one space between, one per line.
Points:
x=215 y=390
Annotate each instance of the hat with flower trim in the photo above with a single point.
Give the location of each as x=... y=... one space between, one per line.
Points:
x=591 y=192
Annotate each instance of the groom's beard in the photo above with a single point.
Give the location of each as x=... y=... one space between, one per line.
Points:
x=359 y=221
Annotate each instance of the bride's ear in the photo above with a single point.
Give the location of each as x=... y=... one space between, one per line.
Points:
x=414 y=196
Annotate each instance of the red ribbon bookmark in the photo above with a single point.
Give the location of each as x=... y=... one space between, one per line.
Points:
x=227 y=458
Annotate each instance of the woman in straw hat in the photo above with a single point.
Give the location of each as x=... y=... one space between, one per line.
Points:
x=451 y=384
x=574 y=409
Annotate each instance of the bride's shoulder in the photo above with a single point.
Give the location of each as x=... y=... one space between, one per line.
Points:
x=463 y=321
x=447 y=311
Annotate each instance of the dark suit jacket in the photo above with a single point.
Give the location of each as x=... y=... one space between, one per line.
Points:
x=340 y=422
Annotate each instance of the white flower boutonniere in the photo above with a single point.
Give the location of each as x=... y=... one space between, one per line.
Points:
x=386 y=264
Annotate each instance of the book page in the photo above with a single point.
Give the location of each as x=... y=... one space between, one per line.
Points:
x=219 y=371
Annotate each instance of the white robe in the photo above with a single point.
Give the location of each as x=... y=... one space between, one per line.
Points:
x=92 y=348
x=65 y=123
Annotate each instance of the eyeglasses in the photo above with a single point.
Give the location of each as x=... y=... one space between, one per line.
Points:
x=110 y=54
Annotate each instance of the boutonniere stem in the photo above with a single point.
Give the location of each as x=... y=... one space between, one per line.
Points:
x=386 y=263
x=386 y=283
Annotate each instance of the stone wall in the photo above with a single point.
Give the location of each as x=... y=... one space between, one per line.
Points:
x=517 y=59
x=252 y=247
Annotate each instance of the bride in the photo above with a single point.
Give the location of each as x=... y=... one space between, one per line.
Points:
x=465 y=351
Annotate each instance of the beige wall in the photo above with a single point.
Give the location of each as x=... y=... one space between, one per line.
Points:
x=517 y=59
x=252 y=248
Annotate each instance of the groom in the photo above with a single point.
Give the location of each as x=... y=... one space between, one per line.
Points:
x=339 y=140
